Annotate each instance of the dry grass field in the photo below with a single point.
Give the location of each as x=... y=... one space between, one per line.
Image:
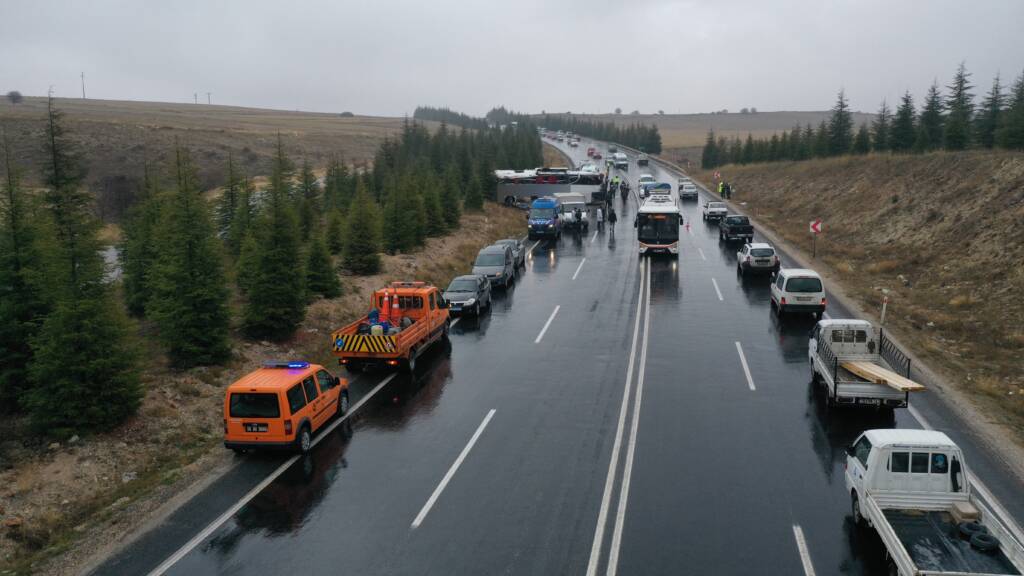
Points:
x=116 y=137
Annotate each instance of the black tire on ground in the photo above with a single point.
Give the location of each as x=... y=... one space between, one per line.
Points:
x=968 y=529
x=476 y=309
x=304 y=440
x=814 y=375
x=858 y=519
x=510 y=201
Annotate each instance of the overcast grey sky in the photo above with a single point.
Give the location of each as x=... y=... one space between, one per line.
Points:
x=384 y=57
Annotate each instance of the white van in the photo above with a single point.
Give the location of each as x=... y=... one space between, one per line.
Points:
x=798 y=290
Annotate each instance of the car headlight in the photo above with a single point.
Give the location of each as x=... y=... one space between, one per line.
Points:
x=551 y=225
x=470 y=302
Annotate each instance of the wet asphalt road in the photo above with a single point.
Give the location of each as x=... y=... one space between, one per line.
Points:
x=720 y=469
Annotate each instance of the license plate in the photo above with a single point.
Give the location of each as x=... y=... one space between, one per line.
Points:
x=803 y=298
x=760 y=261
x=872 y=401
x=251 y=427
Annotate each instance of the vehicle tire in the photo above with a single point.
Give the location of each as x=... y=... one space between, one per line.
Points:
x=304 y=441
x=510 y=201
x=476 y=310
x=238 y=451
x=985 y=542
x=410 y=364
x=969 y=529
x=343 y=403
x=858 y=519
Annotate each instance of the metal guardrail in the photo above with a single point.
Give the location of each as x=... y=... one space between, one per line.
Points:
x=892 y=354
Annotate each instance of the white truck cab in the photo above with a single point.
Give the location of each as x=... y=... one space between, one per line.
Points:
x=714 y=210
x=913 y=487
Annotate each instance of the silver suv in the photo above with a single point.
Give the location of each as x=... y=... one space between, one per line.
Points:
x=757 y=257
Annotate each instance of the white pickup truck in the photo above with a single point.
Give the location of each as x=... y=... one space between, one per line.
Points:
x=914 y=488
x=571 y=202
x=714 y=210
x=857 y=364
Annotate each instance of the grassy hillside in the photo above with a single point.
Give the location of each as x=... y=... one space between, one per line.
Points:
x=942 y=231
x=115 y=137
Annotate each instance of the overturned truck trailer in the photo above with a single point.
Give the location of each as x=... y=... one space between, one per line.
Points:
x=522 y=187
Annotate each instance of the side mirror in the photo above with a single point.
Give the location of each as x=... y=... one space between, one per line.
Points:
x=337 y=381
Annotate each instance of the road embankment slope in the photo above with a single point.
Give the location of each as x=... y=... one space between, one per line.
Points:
x=942 y=234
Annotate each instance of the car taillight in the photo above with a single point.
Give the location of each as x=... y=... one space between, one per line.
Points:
x=822 y=301
x=782 y=301
x=748 y=258
x=287 y=426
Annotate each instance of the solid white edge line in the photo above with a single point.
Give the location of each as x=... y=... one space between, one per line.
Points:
x=609 y=483
x=578 y=268
x=547 y=324
x=451 y=471
x=746 y=369
x=978 y=485
x=805 y=554
x=534 y=245
x=454 y=322
x=717 y=291
x=594 y=238
x=627 y=473
x=211 y=527
x=702 y=256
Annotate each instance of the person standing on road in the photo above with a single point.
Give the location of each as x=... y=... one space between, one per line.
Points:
x=721 y=188
x=612 y=218
x=600 y=218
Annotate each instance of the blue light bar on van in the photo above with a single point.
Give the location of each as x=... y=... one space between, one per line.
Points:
x=291 y=364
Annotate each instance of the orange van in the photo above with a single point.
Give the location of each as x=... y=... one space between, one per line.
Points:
x=282 y=405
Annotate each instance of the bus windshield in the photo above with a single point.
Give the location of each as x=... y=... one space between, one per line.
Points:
x=658 y=228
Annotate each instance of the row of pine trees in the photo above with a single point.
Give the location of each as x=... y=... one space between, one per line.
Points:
x=637 y=135
x=945 y=122
x=68 y=351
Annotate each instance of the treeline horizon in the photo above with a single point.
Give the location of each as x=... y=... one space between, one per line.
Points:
x=637 y=135
x=195 y=271
x=950 y=122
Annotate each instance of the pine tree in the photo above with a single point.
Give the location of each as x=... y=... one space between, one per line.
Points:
x=840 y=127
x=904 y=125
x=276 y=300
x=189 y=298
x=1011 y=126
x=822 y=141
x=245 y=212
x=474 y=201
x=929 y=129
x=138 y=244
x=748 y=150
x=881 y=128
x=862 y=141
x=247 y=263
x=451 y=196
x=335 y=229
x=321 y=277
x=83 y=370
x=709 y=156
x=436 y=225
x=228 y=201
x=309 y=202
x=807 y=140
x=957 y=129
x=989 y=115
x=23 y=301
x=362 y=234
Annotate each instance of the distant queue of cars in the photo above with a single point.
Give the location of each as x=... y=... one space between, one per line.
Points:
x=496 y=265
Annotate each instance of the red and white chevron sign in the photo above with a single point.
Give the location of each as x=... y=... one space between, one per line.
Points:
x=816 y=226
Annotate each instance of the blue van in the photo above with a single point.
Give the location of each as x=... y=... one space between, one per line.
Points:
x=543 y=220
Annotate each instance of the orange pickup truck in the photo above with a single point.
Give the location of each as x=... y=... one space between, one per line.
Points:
x=405 y=319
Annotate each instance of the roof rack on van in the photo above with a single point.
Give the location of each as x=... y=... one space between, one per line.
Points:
x=286 y=364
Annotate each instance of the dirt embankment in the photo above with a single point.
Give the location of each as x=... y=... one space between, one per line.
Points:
x=61 y=504
x=943 y=233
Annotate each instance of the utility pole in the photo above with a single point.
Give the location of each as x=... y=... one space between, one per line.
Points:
x=83 y=85
x=208 y=100
x=195 y=97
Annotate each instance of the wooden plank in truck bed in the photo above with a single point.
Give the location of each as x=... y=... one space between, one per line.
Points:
x=874 y=373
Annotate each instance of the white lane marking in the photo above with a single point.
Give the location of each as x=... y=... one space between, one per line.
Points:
x=451 y=471
x=627 y=474
x=801 y=545
x=717 y=291
x=702 y=256
x=212 y=526
x=534 y=246
x=746 y=369
x=577 y=272
x=454 y=322
x=978 y=485
x=594 y=238
x=602 y=516
x=546 y=324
